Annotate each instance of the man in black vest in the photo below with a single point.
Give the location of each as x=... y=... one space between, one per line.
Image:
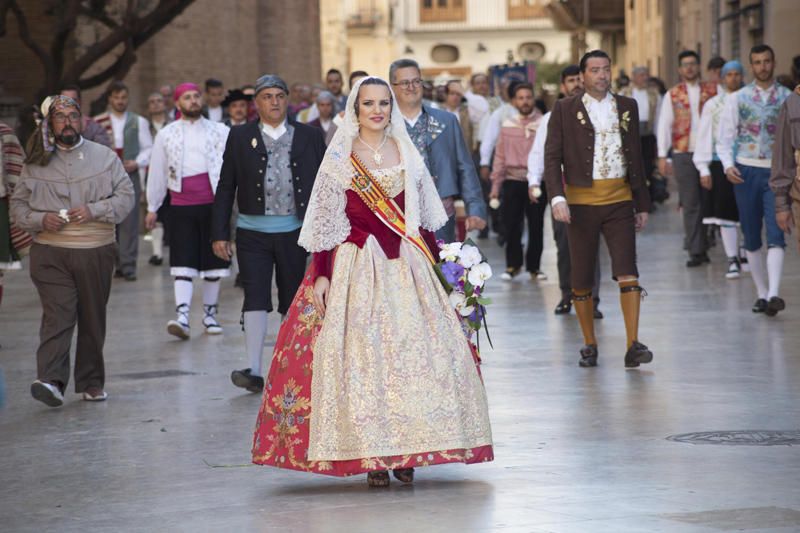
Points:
x=269 y=166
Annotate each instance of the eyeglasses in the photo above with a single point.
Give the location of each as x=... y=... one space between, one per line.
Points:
x=407 y=84
x=61 y=118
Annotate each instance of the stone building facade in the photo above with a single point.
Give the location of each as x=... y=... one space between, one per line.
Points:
x=235 y=41
x=657 y=30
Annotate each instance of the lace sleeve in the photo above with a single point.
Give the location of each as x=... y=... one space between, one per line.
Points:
x=432 y=214
x=325 y=225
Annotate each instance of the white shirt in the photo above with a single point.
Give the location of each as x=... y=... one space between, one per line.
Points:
x=413 y=121
x=274 y=133
x=728 y=131
x=706 y=137
x=478 y=107
x=326 y=124
x=145 y=139
x=666 y=117
x=194 y=159
x=642 y=102
x=215 y=114
x=536 y=155
x=491 y=131
x=194 y=141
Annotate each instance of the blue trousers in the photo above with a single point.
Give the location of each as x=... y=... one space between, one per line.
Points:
x=756 y=203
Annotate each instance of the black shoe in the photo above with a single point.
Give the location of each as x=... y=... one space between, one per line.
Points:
x=695 y=260
x=774 y=305
x=760 y=306
x=156 y=260
x=129 y=277
x=598 y=315
x=118 y=274
x=245 y=380
x=588 y=356
x=564 y=307
x=637 y=354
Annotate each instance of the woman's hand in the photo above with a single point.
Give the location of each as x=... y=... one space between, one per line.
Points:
x=321 y=288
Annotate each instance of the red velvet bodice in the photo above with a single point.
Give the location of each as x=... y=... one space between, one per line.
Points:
x=364 y=223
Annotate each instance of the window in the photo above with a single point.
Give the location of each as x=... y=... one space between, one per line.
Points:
x=442 y=11
x=445 y=53
x=525 y=9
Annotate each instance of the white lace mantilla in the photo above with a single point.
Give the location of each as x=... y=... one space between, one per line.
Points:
x=325 y=224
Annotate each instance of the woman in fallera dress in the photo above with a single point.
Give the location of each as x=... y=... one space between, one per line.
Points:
x=395 y=383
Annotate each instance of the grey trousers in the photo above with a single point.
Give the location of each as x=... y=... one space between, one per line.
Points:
x=565 y=267
x=689 y=192
x=73 y=286
x=128 y=236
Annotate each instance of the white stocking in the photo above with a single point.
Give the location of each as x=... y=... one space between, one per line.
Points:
x=255 y=331
x=758 y=271
x=774 y=270
x=730 y=240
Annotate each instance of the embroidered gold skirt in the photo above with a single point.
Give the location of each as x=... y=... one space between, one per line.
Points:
x=394 y=381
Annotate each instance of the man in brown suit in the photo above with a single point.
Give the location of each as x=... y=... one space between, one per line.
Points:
x=594 y=136
x=785 y=177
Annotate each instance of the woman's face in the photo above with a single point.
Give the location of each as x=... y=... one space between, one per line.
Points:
x=374 y=107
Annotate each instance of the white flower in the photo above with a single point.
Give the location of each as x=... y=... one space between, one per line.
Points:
x=469 y=256
x=479 y=274
x=457 y=299
x=466 y=310
x=449 y=252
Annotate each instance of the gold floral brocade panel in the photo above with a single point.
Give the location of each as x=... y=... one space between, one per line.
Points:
x=393 y=373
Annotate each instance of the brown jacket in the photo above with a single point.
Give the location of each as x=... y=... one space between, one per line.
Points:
x=571 y=144
x=785 y=177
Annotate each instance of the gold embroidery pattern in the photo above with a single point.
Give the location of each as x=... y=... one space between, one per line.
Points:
x=609 y=160
x=393 y=374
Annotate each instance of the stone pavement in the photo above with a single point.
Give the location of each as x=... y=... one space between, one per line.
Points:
x=577 y=450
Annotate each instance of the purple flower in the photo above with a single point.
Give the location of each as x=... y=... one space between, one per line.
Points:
x=452 y=272
x=477 y=314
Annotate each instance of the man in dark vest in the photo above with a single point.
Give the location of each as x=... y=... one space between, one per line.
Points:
x=269 y=166
x=132 y=141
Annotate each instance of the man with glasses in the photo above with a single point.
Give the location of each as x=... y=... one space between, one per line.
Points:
x=678 y=123
x=437 y=135
x=70 y=195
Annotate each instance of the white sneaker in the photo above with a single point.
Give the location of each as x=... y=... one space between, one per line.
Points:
x=180 y=327
x=538 y=276
x=101 y=396
x=509 y=274
x=47 y=393
x=210 y=320
x=734 y=268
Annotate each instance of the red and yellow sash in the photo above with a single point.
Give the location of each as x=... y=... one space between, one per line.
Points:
x=385 y=208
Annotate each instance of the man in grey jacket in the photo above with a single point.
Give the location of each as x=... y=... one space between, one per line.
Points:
x=437 y=136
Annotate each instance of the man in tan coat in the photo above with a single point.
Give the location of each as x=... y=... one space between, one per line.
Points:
x=70 y=195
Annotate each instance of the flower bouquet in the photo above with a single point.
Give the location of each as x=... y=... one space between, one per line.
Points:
x=463 y=270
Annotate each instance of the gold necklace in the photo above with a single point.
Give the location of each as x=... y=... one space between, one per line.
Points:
x=376 y=153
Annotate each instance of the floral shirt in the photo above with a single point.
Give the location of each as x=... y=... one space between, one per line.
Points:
x=609 y=162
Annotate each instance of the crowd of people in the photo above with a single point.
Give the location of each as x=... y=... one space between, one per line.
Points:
x=253 y=179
